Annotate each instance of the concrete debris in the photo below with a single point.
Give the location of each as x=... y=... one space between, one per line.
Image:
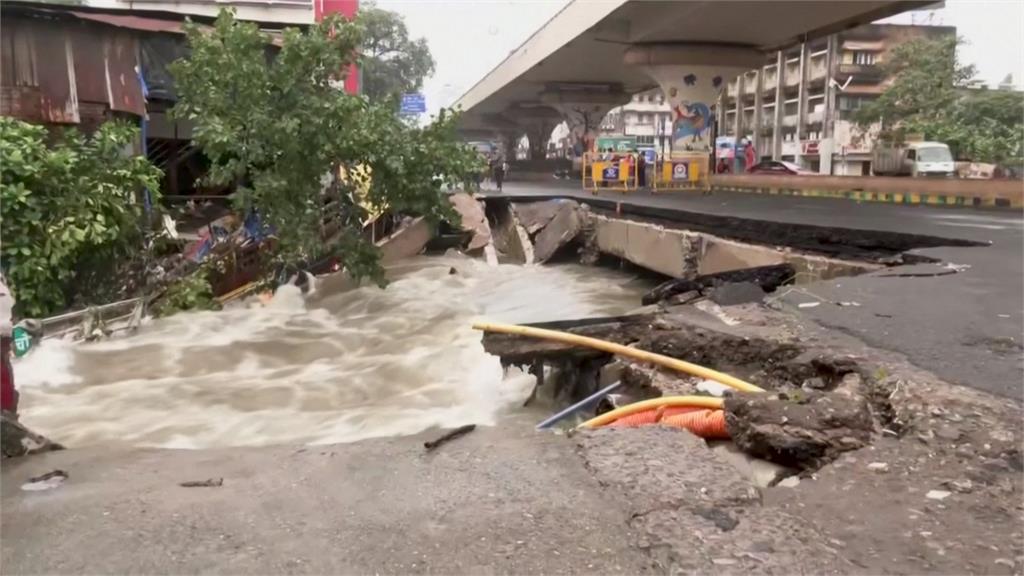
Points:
x=937 y=494
x=879 y=467
x=765 y=278
x=736 y=293
x=511 y=238
x=474 y=220
x=534 y=216
x=804 y=430
x=46 y=481
x=789 y=482
x=684 y=298
x=964 y=486
x=712 y=388
x=17 y=440
x=407 y=241
x=562 y=229
x=808 y=304
x=816 y=383
x=760 y=473
x=208 y=483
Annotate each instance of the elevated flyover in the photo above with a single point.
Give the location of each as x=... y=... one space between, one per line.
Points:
x=593 y=55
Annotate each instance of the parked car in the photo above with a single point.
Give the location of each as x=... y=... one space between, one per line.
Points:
x=777 y=167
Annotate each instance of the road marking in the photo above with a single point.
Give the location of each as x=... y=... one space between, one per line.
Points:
x=984 y=226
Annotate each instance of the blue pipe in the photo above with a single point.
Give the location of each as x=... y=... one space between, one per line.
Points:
x=585 y=403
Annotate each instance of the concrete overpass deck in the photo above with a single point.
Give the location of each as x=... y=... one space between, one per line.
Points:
x=965 y=327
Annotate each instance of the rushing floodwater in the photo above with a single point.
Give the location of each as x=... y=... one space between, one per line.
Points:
x=331 y=368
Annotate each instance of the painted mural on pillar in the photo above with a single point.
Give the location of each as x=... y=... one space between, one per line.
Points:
x=692 y=120
x=692 y=127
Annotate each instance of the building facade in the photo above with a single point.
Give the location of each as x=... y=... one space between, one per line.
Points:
x=799 y=106
x=647 y=117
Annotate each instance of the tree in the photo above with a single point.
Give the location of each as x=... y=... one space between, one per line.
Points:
x=929 y=96
x=278 y=127
x=392 y=64
x=69 y=204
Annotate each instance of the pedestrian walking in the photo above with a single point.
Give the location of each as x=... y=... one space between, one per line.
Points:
x=499 y=172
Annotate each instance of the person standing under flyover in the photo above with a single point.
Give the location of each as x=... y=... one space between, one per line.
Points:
x=498 y=170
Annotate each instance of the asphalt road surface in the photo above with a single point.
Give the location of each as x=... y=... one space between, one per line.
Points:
x=499 y=500
x=965 y=327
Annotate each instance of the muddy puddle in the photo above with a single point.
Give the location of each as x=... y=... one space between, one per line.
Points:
x=328 y=367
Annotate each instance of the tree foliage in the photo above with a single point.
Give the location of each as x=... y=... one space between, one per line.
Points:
x=392 y=63
x=929 y=96
x=277 y=125
x=66 y=200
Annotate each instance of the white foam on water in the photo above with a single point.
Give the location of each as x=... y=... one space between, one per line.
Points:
x=331 y=367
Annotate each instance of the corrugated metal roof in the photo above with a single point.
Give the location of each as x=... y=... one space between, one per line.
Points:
x=48 y=66
x=131 y=22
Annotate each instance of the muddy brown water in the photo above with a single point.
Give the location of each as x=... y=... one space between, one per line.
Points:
x=329 y=367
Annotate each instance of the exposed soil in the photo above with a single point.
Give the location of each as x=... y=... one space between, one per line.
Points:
x=934 y=485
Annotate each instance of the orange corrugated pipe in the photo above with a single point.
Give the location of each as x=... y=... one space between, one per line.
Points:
x=708 y=424
x=652 y=416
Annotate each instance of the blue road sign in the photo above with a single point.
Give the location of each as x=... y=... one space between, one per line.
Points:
x=413 y=104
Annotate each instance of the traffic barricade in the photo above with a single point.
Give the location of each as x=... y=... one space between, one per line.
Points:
x=681 y=173
x=617 y=172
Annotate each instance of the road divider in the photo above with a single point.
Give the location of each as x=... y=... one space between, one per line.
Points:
x=931 y=191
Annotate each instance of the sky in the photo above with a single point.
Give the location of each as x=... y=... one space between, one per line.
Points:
x=470 y=37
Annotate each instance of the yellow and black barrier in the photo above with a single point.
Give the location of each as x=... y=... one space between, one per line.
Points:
x=680 y=173
x=613 y=172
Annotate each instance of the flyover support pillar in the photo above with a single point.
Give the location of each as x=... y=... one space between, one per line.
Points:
x=692 y=76
x=583 y=111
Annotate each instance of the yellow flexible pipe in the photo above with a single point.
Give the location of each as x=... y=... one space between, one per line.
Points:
x=619 y=349
x=622 y=412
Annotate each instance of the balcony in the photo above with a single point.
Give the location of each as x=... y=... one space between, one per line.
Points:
x=792 y=74
x=862 y=73
x=790 y=121
x=818 y=68
x=816 y=117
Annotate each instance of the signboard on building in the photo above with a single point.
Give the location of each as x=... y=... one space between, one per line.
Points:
x=809 y=147
x=413 y=104
x=616 y=143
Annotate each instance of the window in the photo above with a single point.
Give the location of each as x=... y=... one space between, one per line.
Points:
x=934 y=154
x=864 y=58
x=649 y=140
x=853 y=102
